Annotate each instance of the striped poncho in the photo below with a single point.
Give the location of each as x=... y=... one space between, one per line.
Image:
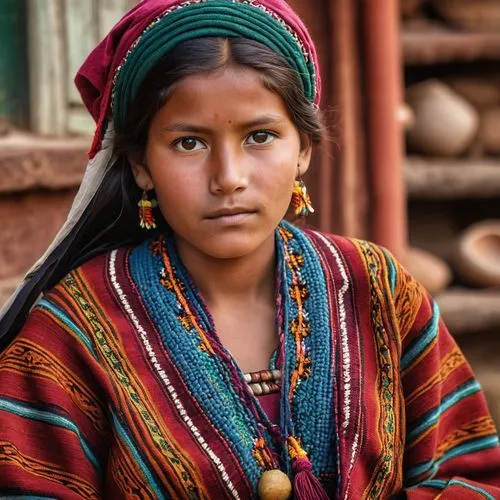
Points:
x=117 y=387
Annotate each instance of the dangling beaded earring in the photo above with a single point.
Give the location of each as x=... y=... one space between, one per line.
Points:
x=301 y=201
x=146 y=217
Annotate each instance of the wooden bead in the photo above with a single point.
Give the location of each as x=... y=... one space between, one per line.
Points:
x=263 y=382
x=256 y=389
x=274 y=485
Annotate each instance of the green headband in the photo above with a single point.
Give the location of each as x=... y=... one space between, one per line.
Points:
x=217 y=18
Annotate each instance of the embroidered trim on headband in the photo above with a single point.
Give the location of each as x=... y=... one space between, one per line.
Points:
x=306 y=69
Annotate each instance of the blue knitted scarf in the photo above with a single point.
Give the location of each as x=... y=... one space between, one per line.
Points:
x=215 y=380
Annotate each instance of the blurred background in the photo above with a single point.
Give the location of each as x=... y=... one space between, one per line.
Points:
x=411 y=99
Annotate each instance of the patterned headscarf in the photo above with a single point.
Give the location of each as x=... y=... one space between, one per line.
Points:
x=110 y=77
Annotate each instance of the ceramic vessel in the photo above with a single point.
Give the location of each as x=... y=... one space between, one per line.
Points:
x=428 y=269
x=477 y=257
x=445 y=123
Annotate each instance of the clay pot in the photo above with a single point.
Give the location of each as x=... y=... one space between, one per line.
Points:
x=480 y=15
x=431 y=271
x=489 y=130
x=445 y=123
x=480 y=92
x=477 y=256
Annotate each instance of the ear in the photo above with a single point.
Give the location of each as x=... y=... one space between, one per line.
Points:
x=141 y=175
x=304 y=154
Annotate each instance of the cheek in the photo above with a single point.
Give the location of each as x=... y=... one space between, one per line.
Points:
x=175 y=183
x=281 y=174
x=173 y=195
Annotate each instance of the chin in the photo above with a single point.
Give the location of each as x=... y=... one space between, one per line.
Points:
x=235 y=245
x=228 y=244
x=234 y=250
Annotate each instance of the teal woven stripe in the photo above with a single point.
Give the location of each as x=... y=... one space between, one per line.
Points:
x=26 y=497
x=137 y=457
x=214 y=18
x=62 y=316
x=391 y=270
x=441 y=485
x=423 y=341
x=471 y=446
x=26 y=411
x=432 y=417
x=463 y=484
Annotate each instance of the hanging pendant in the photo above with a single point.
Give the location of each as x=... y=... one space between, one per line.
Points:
x=274 y=485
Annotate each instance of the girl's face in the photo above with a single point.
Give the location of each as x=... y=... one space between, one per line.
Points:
x=222 y=156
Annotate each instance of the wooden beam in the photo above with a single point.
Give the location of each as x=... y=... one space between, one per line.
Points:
x=431 y=43
x=469 y=310
x=436 y=179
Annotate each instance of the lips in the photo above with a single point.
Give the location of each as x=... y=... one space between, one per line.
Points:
x=231 y=217
x=229 y=213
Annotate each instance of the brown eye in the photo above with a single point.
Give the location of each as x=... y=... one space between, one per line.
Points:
x=188 y=144
x=261 y=137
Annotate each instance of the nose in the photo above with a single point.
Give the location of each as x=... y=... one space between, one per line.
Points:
x=228 y=171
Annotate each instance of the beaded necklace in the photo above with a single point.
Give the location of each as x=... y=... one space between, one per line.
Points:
x=263 y=382
x=305 y=442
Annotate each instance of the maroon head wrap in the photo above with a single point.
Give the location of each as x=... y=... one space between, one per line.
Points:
x=95 y=79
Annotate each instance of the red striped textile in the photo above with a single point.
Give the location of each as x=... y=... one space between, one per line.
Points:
x=91 y=405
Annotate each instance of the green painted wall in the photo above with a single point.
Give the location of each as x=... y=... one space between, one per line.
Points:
x=14 y=87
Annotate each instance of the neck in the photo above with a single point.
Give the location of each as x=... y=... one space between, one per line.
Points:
x=248 y=278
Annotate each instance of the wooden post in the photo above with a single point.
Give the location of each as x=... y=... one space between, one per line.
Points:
x=385 y=135
x=47 y=67
x=350 y=185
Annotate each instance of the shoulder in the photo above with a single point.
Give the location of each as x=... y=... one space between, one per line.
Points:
x=88 y=286
x=361 y=256
x=369 y=262
x=93 y=274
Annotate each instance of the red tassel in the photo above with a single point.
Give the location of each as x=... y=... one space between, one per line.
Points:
x=306 y=485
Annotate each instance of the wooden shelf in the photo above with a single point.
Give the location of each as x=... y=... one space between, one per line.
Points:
x=431 y=43
x=470 y=310
x=436 y=178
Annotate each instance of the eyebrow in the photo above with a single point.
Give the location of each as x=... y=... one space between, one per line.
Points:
x=192 y=127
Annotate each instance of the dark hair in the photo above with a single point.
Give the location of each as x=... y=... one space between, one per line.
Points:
x=111 y=219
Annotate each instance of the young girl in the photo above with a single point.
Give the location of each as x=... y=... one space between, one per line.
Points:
x=206 y=348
